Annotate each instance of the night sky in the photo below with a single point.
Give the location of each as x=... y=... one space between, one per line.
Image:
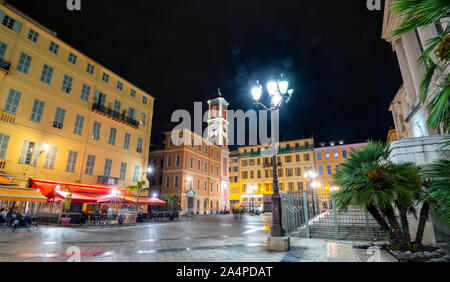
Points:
x=179 y=51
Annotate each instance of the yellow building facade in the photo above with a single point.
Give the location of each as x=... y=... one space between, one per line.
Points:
x=63 y=116
x=251 y=172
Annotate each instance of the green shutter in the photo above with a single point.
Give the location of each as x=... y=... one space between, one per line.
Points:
x=97 y=97
x=36 y=153
x=4 y=140
x=2 y=15
x=17 y=26
x=23 y=153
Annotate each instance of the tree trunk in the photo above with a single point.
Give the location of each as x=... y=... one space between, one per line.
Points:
x=404 y=223
x=424 y=212
x=137 y=202
x=380 y=220
x=393 y=222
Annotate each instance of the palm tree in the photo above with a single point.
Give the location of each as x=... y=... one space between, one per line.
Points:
x=137 y=189
x=369 y=180
x=439 y=190
x=418 y=13
x=172 y=199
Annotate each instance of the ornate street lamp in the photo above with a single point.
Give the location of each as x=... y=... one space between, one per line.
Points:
x=279 y=94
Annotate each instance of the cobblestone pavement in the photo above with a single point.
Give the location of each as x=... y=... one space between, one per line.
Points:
x=200 y=239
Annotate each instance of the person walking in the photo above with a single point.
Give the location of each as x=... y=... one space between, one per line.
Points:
x=3 y=215
x=122 y=214
x=110 y=213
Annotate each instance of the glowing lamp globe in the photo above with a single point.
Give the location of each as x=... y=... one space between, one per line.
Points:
x=283 y=86
x=272 y=87
x=276 y=99
x=256 y=93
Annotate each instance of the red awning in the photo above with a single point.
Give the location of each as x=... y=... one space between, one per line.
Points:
x=80 y=197
x=46 y=187
x=114 y=200
x=56 y=200
x=151 y=201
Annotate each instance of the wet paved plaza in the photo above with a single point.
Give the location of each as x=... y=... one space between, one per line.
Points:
x=218 y=238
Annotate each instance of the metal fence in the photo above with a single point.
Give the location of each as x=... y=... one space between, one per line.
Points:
x=314 y=216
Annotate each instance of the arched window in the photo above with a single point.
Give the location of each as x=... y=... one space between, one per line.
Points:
x=214 y=111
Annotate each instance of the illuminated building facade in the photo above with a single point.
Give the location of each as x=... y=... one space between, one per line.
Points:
x=195 y=169
x=63 y=116
x=409 y=112
x=251 y=172
x=328 y=160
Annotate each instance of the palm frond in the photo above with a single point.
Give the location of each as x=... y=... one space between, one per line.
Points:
x=439 y=107
x=439 y=191
x=417 y=13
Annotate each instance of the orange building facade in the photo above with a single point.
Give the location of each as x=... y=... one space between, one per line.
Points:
x=327 y=161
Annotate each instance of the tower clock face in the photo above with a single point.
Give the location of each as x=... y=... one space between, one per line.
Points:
x=213 y=127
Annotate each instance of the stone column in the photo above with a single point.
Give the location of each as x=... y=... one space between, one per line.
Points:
x=426 y=33
x=413 y=52
x=404 y=68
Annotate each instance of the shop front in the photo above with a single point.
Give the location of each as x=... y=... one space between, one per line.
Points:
x=89 y=202
x=20 y=199
x=252 y=203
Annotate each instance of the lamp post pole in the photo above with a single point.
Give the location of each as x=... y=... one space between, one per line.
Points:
x=279 y=94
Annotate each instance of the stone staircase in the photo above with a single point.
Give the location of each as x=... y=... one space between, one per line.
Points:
x=351 y=226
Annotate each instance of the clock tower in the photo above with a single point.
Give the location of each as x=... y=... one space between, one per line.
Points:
x=218 y=134
x=217 y=121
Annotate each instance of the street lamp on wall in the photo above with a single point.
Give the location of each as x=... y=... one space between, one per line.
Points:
x=150 y=176
x=46 y=147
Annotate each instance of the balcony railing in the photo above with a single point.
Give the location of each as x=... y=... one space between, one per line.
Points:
x=8 y=118
x=5 y=66
x=268 y=152
x=107 y=180
x=270 y=164
x=115 y=115
x=3 y=166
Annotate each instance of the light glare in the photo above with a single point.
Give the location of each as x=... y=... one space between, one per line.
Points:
x=272 y=88
x=283 y=85
x=276 y=99
x=46 y=147
x=256 y=93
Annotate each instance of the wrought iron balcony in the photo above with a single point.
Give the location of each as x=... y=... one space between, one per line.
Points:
x=4 y=166
x=4 y=66
x=270 y=164
x=8 y=118
x=268 y=152
x=113 y=181
x=108 y=112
